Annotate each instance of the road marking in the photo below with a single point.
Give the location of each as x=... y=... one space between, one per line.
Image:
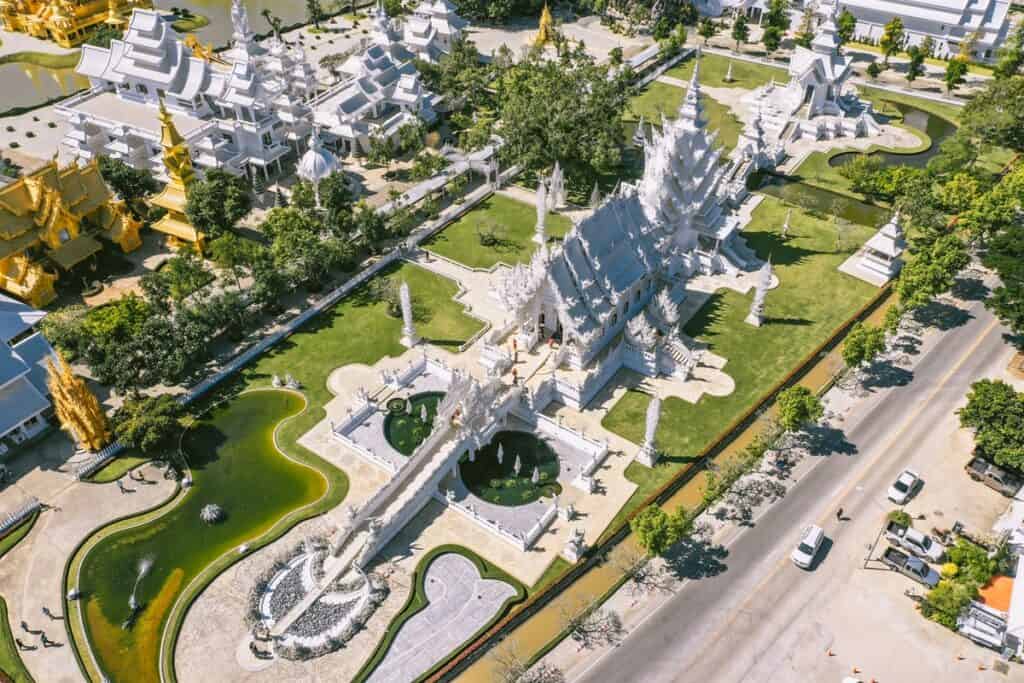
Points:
x=854 y=483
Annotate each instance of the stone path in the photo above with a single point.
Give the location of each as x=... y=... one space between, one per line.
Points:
x=31 y=574
x=460 y=603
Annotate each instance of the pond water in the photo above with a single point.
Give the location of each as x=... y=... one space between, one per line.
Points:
x=936 y=127
x=218 y=31
x=824 y=202
x=25 y=85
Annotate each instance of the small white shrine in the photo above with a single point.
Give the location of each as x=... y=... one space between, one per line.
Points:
x=317 y=163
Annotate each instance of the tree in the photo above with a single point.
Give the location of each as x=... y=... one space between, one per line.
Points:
x=956 y=72
x=778 y=15
x=805 y=32
x=967 y=46
x=892 y=39
x=798 y=406
x=740 y=30
x=593 y=626
x=299 y=248
x=234 y=255
x=707 y=29
x=568 y=110
x=772 y=38
x=916 y=65
x=128 y=183
x=846 y=26
x=958 y=193
x=931 y=272
x=181 y=276
x=382 y=151
x=1011 y=55
x=996 y=115
x=217 y=202
x=103 y=34
x=336 y=198
x=314 y=13
x=148 y=423
x=656 y=530
x=927 y=46
x=874 y=69
x=862 y=345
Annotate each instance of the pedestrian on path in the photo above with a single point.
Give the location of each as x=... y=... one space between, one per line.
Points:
x=24 y=627
x=839 y=515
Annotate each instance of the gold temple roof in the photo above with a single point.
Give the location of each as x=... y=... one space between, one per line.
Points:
x=73 y=252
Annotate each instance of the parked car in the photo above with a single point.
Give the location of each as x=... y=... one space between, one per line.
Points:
x=807 y=548
x=917 y=569
x=993 y=476
x=905 y=486
x=918 y=543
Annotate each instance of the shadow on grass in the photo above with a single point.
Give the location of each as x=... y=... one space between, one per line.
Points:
x=696 y=559
x=798 y=322
x=782 y=251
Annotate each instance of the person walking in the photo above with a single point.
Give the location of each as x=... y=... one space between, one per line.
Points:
x=839 y=515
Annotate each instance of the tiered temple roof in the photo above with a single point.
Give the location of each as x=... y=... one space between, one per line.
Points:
x=432 y=28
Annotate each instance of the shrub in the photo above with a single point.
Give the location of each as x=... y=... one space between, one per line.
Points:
x=901 y=517
x=949 y=570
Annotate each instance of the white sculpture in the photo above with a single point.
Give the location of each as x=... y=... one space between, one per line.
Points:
x=408 y=407
x=648 y=454
x=639 y=137
x=423 y=413
x=785 y=226
x=540 y=235
x=409 y=337
x=575 y=546
x=535 y=477
x=518 y=465
x=764 y=282
x=276 y=382
x=595 y=196
x=728 y=73
x=472 y=455
x=211 y=513
x=501 y=453
x=556 y=190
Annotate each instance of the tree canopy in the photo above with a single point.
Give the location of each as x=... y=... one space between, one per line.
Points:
x=996 y=115
x=216 y=203
x=798 y=406
x=128 y=183
x=995 y=411
x=148 y=423
x=862 y=345
x=656 y=530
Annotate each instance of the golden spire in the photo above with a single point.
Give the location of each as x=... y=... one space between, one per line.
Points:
x=546 y=31
x=114 y=17
x=77 y=408
x=177 y=157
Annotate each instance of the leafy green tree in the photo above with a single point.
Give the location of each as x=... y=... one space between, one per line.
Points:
x=1011 y=55
x=916 y=65
x=892 y=39
x=148 y=423
x=656 y=530
x=932 y=271
x=778 y=15
x=862 y=345
x=805 y=32
x=410 y=137
x=382 y=151
x=707 y=29
x=945 y=602
x=874 y=69
x=103 y=34
x=64 y=328
x=798 y=406
x=958 y=193
x=216 y=203
x=314 y=13
x=181 y=276
x=568 y=110
x=740 y=30
x=956 y=74
x=336 y=197
x=846 y=25
x=129 y=184
x=996 y=115
x=771 y=38
x=234 y=255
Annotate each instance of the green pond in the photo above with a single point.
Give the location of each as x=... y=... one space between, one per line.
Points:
x=498 y=482
x=26 y=85
x=818 y=200
x=235 y=465
x=936 y=127
x=407 y=430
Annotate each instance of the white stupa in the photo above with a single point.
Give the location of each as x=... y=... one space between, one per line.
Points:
x=317 y=163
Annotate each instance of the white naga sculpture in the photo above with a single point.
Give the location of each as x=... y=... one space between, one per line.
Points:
x=764 y=282
x=540 y=233
x=409 y=336
x=648 y=454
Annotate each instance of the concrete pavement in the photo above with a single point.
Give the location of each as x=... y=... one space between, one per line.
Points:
x=761 y=619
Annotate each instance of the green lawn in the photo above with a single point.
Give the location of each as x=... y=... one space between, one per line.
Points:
x=232 y=459
x=884 y=99
x=746 y=75
x=513 y=224
x=10 y=660
x=189 y=24
x=50 y=61
x=118 y=467
x=498 y=483
x=811 y=302
x=417 y=601
x=661 y=98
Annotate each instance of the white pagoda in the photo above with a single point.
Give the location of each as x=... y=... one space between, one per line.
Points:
x=241 y=111
x=881 y=254
x=432 y=28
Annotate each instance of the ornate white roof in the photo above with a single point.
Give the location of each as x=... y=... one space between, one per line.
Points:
x=318 y=162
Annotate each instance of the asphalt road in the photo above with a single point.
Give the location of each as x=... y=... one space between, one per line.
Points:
x=724 y=626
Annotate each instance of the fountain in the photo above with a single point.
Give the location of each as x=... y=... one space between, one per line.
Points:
x=211 y=513
x=145 y=564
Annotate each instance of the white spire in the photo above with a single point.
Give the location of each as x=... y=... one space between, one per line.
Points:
x=540 y=231
x=242 y=33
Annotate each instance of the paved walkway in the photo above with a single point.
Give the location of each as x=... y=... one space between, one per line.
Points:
x=31 y=574
x=460 y=603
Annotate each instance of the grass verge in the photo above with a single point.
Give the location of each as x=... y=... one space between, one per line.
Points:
x=50 y=61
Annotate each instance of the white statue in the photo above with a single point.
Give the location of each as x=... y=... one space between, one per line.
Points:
x=501 y=453
x=518 y=465
x=764 y=282
x=575 y=546
x=648 y=454
x=535 y=477
x=639 y=137
x=785 y=226
x=595 y=196
x=423 y=413
x=472 y=455
x=728 y=73
x=408 y=407
x=409 y=338
x=540 y=234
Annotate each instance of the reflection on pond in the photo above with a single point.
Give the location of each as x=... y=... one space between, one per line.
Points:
x=25 y=85
x=218 y=12
x=936 y=127
x=816 y=199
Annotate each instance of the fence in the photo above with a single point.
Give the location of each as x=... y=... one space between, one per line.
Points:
x=11 y=520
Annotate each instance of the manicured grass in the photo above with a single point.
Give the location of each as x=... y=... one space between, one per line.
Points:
x=10 y=660
x=118 y=467
x=234 y=464
x=405 y=431
x=12 y=539
x=498 y=482
x=884 y=99
x=812 y=301
x=515 y=222
x=46 y=59
x=189 y=24
x=418 y=601
x=659 y=99
x=746 y=75
x=972 y=67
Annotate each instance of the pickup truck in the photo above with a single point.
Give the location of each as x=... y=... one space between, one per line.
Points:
x=913 y=567
x=993 y=476
x=920 y=544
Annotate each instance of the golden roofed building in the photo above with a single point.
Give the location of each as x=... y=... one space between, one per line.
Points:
x=49 y=221
x=66 y=22
x=180 y=174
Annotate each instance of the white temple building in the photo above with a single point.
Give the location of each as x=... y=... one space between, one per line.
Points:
x=611 y=293
x=879 y=260
x=380 y=91
x=241 y=111
x=813 y=103
x=432 y=28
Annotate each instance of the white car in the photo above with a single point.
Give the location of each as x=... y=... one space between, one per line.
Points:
x=905 y=486
x=808 y=546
